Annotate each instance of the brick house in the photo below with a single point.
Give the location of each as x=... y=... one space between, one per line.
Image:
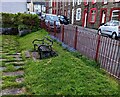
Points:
x=87 y=14
x=36 y=6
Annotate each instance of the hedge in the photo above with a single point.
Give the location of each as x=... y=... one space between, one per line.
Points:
x=20 y=21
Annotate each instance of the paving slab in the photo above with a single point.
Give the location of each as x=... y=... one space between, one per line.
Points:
x=3 y=59
x=2 y=68
x=19 y=80
x=17 y=67
x=27 y=54
x=15 y=63
x=16 y=73
x=13 y=91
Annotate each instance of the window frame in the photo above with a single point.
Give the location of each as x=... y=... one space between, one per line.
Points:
x=94 y=1
x=83 y=18
x=111 y=11
x=86 y=2
x=78 y=2
x=101 y=13
x=104 y=3
x=90 y=14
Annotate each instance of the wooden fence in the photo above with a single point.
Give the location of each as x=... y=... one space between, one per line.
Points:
x=104 y=50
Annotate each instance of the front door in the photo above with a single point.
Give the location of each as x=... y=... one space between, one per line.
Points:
x=84 y=24
x=103 y=15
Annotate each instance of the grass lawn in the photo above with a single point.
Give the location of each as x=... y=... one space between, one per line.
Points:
x=66 y=74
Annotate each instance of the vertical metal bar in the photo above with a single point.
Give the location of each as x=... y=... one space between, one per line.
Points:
x=97 y=50
x=107 y=52
x=119 y=61
x=112 y=58
x=55 y=28
x=62 y=33
x=110 y=55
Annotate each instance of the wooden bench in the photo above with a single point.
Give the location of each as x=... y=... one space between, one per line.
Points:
x=43 y=46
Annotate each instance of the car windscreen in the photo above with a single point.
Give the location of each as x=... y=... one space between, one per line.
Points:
x=116 y=23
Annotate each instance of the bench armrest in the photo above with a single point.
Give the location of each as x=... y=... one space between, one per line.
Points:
x=49 y=41
x=33 y=42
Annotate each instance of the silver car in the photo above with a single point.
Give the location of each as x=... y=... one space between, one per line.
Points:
x=52 y=18
x=111 y=28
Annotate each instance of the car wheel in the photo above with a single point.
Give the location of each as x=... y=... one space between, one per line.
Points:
x=114 y=35
x=99 y=32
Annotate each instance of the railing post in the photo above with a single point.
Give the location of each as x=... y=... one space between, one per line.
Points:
x=49 y=26
x=41 y=23
x=75 y=38
x=54 y=28
x=62 y=33
x=44 y=24
x=97 y=50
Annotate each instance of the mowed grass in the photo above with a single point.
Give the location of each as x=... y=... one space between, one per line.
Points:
x=64 y=74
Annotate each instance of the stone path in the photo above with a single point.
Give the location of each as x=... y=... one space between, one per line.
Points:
x=12 y=68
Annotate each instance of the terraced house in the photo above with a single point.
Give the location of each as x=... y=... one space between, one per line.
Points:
x=86 y=14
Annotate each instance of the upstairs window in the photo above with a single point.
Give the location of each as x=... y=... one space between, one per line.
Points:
x=78 y=2
x=93 y=14
x=74 y=2
x=85 y=2
x=116 y=1
x=93 y=1
x=69 y=2
x=105 y=1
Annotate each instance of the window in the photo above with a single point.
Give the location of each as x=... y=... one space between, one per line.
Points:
x=105 y=1
x=115 y=15
x=85 y=2
x=74 y=2
x=85 y=19
x=78 y=14
x=93 y=14
x=69 y=2
x=103 y=15
x=65 y=3
x=68 y=14
x=78 y=2
x=117 y=0
x=93 y=1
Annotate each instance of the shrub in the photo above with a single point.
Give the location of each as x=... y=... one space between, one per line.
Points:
x=8 y=20
x=19 y=20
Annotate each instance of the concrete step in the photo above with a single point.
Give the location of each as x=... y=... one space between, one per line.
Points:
x=16 y=73
x=13 y=91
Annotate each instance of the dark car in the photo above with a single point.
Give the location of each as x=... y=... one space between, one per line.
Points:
x=51 y=18
x=63 y=19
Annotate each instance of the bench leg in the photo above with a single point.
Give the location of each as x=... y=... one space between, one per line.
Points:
x=51 y=53
x=40 y=55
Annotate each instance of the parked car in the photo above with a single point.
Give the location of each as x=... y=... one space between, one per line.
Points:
x=111 y=28
x=42 y=17
x=51 y=18
x=63 y=19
